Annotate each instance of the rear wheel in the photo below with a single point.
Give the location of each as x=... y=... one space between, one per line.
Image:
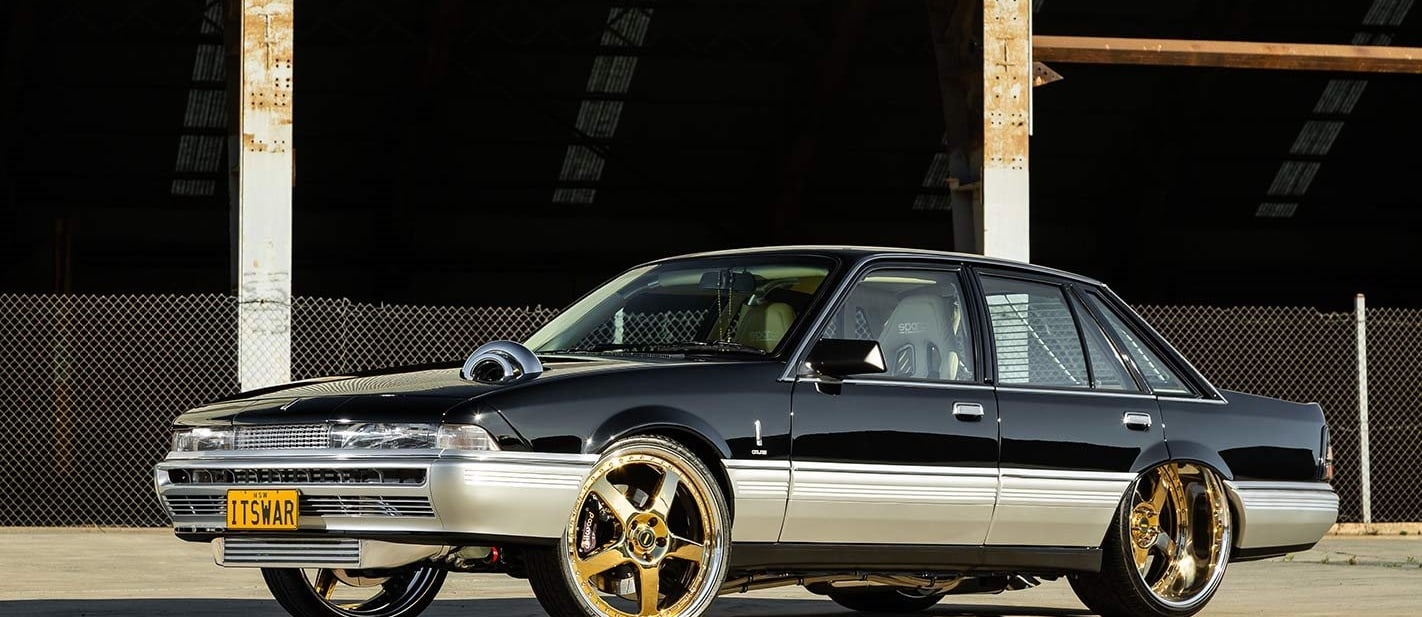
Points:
x=883 y=600
x=347 y=593
x=1168 y=547
x=649 y=535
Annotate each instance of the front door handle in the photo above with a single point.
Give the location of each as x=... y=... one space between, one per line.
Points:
x=1136 y=420
x=968 y=411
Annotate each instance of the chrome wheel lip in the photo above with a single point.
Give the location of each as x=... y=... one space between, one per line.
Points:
x=706 y=583
x=409 y=593
x=1207 y=591
x=1223 y=551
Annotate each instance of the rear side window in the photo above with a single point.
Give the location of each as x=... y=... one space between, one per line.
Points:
x=1035 y=339
x=1157 y=373
x=1108 y=372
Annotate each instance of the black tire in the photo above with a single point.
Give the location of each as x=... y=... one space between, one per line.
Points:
x=1119 y=589
x=405 y=593
x=552 y=572
x=883 y=600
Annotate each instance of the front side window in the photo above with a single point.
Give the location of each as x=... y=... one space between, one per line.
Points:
x=742 y=304
x=1035 y=340
x=1156 y=372
x=918 y=319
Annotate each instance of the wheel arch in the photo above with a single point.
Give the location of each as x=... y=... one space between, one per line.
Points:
x=1197 y=453
x=684 y=427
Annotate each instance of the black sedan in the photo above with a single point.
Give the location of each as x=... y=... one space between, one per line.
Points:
x=882 y=426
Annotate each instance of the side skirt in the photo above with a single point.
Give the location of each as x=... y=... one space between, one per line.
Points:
x=1265 y=552
x=752 y=557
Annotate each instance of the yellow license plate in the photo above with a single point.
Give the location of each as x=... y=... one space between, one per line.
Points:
x=263 y=509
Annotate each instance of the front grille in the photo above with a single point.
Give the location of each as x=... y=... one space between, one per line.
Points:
x=364 y=475
x=332 y=552
x=415 y=506
x=290 y=436
x=333 y=505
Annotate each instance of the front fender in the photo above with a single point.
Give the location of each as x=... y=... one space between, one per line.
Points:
x=655 y=419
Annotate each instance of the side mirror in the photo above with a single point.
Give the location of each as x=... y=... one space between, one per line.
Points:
x=844 y=357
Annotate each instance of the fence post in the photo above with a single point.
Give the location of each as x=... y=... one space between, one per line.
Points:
x=1366 y=479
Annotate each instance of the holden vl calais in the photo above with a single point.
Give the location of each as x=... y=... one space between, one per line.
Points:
x=881 y=426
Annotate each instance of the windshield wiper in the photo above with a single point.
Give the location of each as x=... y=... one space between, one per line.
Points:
x=674 y=347
x=726 y=346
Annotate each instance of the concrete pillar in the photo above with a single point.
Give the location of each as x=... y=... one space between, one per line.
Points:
x=261 y=190
x=1007 y=91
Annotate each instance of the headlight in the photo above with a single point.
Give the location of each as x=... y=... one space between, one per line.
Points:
x=199 y=439
x=405 y=436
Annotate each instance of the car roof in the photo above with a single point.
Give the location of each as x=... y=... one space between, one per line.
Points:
x=854 y=254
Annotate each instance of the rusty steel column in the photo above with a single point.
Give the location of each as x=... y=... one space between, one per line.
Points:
x=261 y=190
x=1007 y=91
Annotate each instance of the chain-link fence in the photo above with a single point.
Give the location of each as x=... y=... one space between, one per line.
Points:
x=88 y=385
x=1395 y=412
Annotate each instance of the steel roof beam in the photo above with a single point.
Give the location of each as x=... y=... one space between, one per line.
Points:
x=263 y=34
x=1227 y=54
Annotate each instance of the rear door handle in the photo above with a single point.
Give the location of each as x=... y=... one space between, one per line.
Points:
x=1136 y=420
x=968 y=411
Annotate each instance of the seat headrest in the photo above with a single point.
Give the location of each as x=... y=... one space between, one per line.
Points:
x=916 y=339
x=763 y=325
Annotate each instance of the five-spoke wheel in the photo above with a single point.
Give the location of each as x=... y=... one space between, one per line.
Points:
x=1168 y=549
x=345 y=593
x=649 y=535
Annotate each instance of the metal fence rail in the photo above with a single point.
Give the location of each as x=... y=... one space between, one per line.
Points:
x=89 y=384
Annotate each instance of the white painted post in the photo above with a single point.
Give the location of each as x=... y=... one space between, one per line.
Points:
x=1007 y=88
x=1366 y=480
x=263 y=193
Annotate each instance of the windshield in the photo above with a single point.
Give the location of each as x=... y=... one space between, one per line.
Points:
x=744 y=304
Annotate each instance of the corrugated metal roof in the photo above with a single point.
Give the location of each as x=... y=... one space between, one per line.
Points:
x=1339 y=98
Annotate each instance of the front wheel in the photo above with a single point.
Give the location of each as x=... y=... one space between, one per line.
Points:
x=1167 y=549
x=648 y=535
x=884 y=600
x=346 y=593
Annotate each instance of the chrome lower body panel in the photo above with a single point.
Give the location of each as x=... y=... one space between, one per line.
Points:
x=1056 y=508
x=1287 y=514
x=497 y=494
x=889 y=504
x=761 y=489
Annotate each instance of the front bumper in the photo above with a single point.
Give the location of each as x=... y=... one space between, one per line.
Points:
x=416 y=497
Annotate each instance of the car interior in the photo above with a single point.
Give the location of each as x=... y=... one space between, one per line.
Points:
x=917 y=320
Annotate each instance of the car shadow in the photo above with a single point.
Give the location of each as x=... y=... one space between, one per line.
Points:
x=503 y=607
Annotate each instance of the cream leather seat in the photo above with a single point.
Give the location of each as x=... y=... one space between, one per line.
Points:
x=763 y=324
x=922 y=338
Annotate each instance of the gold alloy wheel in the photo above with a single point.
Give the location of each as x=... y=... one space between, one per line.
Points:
x=644 y=535
x=1179 y=533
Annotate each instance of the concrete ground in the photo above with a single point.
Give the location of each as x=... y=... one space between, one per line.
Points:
x=148 y=573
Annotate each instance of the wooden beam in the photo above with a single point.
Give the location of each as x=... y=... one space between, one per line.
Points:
x=1228 y=54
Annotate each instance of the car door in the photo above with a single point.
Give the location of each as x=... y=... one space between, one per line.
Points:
x=1074 y=417
x=904 y=457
